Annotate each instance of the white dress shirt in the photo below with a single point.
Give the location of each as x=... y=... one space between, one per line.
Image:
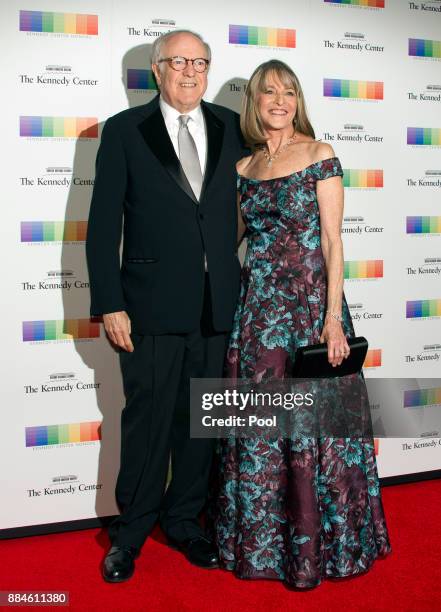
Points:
x=196 y=127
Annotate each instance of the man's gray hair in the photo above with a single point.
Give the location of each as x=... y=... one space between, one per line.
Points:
x=159 y=43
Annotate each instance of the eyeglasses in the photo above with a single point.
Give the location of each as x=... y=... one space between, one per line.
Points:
x=179 y=63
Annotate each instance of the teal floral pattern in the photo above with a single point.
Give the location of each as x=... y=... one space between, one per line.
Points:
x=298 y=509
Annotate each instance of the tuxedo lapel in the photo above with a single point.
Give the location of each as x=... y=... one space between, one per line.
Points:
x=215 y=136
x=155 y=134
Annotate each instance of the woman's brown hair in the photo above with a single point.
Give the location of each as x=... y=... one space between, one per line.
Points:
x=250 y=121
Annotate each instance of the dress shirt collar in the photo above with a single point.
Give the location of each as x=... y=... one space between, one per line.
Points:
x=171 y=115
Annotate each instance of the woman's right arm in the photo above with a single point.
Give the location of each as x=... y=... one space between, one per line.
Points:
x=241 y=227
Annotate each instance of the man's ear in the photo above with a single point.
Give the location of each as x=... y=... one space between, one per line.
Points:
x=157 y=74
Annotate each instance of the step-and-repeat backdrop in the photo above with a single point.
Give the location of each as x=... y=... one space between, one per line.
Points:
x=371 y=74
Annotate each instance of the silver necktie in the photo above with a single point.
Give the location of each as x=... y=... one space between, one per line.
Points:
x=188 y=156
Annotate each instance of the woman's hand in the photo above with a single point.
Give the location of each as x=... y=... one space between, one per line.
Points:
x=338 y=348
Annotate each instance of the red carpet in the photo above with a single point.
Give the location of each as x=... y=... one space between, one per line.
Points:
x=409 y=579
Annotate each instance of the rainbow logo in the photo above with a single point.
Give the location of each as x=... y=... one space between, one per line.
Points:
x=60 y=23
x=65 y=329
x=423 y=225
x=418 y=47
x=373 y=358
x=140 y=79
x=53 y=231
x=417 y=309
x=371 y=179
x=265 y=37
x=343 y=88
x=423 y=136
x=370 y=3
x=372 y=268
x=45 y=435
x=59 y=127
x=422 y=397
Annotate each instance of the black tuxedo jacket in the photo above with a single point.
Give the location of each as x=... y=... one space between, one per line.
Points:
x=141 y=193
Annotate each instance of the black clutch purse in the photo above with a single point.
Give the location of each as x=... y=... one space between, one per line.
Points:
x=312 y=361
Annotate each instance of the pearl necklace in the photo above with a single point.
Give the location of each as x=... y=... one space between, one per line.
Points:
x=272 y=157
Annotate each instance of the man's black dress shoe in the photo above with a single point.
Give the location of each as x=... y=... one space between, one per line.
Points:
x=199 y=551
x=119 y=563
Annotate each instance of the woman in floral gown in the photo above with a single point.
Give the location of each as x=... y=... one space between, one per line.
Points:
x=296 y=509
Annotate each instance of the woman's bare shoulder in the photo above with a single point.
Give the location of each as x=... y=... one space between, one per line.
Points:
x=321 y=151
x=312 y=151
x=243 y=164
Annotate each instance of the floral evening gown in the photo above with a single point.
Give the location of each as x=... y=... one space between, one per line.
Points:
x=297 y=509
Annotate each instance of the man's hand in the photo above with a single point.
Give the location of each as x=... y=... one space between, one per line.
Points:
x=118 y=328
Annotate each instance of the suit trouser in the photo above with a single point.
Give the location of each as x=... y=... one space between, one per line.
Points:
x=155 y=426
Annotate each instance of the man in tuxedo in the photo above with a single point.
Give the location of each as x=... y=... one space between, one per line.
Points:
x=166 y=181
